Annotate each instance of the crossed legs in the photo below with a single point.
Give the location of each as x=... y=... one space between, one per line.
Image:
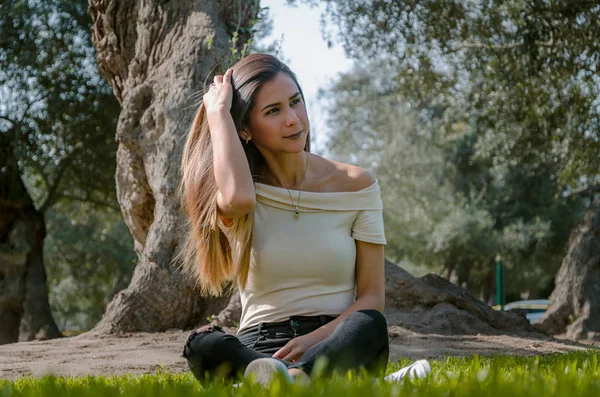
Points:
x=359 y=340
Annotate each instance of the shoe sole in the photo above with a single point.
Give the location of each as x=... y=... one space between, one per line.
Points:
x=418 y=369
x=264 y=370
x=426 y=369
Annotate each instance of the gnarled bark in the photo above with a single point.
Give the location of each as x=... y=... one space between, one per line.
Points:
x=575 y=301
x=229 y=317
x=156 y=56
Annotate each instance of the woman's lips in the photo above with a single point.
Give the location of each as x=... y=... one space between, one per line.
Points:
x=294 y=136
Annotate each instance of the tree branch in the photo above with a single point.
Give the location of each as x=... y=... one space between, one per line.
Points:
x=467 y=45
x=8 y=119
x=60 y=171
x=36 y=165
x=586 y=191
x=30 y=104
x=16 y=124
x=567 y=5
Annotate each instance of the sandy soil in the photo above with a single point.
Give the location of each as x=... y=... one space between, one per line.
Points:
x=143 y=353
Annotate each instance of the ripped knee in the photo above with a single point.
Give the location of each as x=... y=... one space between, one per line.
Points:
x=206 y=329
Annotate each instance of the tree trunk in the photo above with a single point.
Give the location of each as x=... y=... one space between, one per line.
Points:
x=156 y=55
x=37 y=321
x=24 y=309
x=230 y=316
x=575 y=307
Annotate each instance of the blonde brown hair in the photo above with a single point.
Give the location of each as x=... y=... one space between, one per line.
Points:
x=206 y=253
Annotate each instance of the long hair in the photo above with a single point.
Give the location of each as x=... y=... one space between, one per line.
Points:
x=206 y=252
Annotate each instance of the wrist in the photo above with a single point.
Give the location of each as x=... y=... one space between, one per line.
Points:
x=219 y=120
x=218 y=113
x=322 y=332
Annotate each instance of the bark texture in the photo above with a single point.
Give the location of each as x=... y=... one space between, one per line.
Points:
x=24 y=309
x=575 y=301
x=156 y=55
x=229 y=317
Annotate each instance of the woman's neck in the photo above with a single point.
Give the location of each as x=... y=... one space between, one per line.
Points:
x=289 y=171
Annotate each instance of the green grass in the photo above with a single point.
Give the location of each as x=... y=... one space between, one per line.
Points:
x=564 y=375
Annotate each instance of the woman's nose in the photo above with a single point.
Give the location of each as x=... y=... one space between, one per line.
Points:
x=291 y=117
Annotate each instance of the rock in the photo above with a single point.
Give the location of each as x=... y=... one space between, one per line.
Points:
x=432 y=304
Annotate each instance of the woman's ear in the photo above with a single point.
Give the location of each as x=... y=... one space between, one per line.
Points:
x=245 y=134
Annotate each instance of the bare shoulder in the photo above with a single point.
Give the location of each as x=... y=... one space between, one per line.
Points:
x=341 y=177
x=357 y=178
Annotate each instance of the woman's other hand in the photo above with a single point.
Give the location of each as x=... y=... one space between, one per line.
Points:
x=295 y=349
x=220 y=94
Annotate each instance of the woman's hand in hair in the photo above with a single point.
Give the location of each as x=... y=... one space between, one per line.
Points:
x=220 y=94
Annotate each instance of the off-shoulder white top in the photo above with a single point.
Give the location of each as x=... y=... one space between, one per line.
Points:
x=306 y=266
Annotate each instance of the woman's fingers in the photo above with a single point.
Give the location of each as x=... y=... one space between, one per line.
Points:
x=293 y=356
x=278 y=354
x=284 y=351
x=227 y=77
x=289 y=352
x=289 y=357
x=220 y=92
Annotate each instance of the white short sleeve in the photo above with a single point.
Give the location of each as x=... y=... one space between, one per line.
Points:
x=368 y=226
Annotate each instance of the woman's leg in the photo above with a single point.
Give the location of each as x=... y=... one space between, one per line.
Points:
x=210 y=350
x=361 y=339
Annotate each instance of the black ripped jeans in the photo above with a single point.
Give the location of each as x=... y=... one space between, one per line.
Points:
x=361 y=339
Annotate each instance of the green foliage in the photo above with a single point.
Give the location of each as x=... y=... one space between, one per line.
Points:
x=573 y=374
x=59 y=116
x=522 y=74
x=446 y=207
x=242 y=17
x=262 y=29
x=479 y=118
x=256 y=33
x=85 y=273
x=58 y=113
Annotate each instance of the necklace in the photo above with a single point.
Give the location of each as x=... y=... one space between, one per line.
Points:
x=300 y=192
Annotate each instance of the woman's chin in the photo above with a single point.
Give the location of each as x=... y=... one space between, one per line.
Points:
x=297 y=146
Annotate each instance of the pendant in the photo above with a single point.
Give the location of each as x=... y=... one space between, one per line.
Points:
x=297 y=213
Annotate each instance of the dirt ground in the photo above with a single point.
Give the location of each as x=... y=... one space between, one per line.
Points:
x=145 y=353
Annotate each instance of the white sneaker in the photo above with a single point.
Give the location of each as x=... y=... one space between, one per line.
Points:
x=418 y=369
x=263 y=370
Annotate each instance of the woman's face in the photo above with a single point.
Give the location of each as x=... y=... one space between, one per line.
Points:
x=278 y=122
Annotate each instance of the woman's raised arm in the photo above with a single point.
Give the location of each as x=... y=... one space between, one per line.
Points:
x=236 y=195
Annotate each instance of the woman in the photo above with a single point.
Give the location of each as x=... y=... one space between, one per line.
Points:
x=301 y=235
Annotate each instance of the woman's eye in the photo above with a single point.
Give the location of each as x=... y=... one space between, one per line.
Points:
x=272 y=111
x=295 y=101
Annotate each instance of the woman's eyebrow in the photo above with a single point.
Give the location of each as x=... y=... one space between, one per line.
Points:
x=276 y=104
